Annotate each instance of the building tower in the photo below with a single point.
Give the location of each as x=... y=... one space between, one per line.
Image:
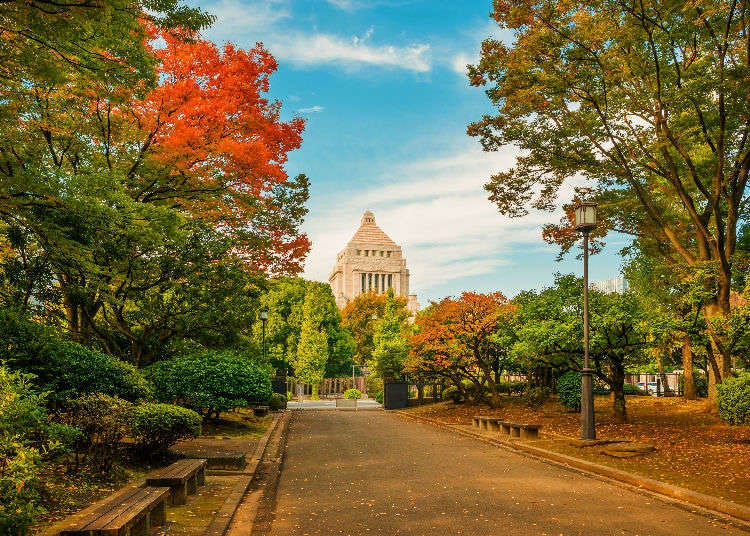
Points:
x=370 y=262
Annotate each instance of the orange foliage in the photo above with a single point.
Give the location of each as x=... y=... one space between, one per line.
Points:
x=215 y=146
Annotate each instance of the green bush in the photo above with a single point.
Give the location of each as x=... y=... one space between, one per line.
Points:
x=374 y=383
x=630 y=389
x=352 y=394
x=453 y=393
x=103 y=422
x=569 y=390
x=734 y=399
x=22 y=435
x=156 y=427
x=536 y=396
x=211 y=382
x=63 y=368
x=379 y=397
x=277 y=402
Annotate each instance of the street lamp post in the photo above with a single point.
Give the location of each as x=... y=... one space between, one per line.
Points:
x=263 y=320
x=585 y=214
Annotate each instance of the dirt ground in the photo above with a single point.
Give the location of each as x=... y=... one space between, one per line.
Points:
x=694 y=449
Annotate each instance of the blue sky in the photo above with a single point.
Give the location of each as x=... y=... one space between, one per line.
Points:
x=382 y=85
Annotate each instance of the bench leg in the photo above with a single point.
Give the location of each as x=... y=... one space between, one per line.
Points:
x=202 y=476
x=485 y=425
x=505 y=429
x=475 y=422
x=493 y=426
x=515 y=431
x=192 y=484
x=179 y=494
x=142 y=528
x=159 y=514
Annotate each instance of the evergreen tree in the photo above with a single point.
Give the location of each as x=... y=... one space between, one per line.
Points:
x=389 y=340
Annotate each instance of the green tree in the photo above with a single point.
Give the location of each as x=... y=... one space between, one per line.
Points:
x=550 y=331
x=648 y=102
x=389 y=339
x=312 y=350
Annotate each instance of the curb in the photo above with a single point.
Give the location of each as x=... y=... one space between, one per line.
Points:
x=683 y=495
x=223 y=518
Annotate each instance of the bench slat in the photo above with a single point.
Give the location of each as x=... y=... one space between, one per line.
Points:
x=100 y=511
x=135 y=511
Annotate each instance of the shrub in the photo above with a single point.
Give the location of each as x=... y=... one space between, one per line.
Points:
x=569 y=390
x=630 y=389
x=734 y=399
x=536 y=396
x=22 y=434
x=352 y=394
x=277 y=402
x=64 y=368
x=156 y=427
x=103 y=423
x=453 y=393
x=210 y=382
x=379 y=397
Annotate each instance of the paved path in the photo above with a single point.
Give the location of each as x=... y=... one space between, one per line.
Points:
x=376 y=473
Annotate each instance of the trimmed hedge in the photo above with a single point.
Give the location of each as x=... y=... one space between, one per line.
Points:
x=211 y=382
x=734 y=399
x=352 y=394
x=64 y=368
x=277 y=402
x=156 y=427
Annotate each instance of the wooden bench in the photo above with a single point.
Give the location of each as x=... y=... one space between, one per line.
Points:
x=484 y=422
x=520 y=430
x=183 y=477
x=131 y=513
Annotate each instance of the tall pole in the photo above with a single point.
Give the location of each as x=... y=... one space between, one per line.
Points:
x=588 y=430
x=263 y=322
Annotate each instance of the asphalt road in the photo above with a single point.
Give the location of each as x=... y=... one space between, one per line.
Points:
x=376 y=473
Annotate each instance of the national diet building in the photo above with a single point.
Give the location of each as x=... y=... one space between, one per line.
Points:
x=370 y=262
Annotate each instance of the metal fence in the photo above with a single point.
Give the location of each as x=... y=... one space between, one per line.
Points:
x=667 y=384
x=328 y=388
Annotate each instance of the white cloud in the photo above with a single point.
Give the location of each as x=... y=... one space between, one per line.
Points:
x=245 y=22
x=311 y=109
x=316 y=49
x=460 y=61
x=438 y=211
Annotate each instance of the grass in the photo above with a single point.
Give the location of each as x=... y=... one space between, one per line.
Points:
x=694 y=448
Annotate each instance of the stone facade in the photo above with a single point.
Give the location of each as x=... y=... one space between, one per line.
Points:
x=371 y=261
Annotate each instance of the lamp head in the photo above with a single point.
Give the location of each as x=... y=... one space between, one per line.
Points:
x=264 y=314
x=585 y=213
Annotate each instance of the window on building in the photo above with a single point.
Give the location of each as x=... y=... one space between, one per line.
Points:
x=367 y=253
x=377 y=283
x=381 y=253
x=369 y=281
x=364 y=283
x=390 y=280
x=359 y=252
x=388 y=254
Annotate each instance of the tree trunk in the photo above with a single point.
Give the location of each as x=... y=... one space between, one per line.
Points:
x=663 y=376
x=618 y=391
x=720 y=354
x=689 y=390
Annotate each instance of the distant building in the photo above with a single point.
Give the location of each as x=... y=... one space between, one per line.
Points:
x=370 y=262
x=609 y=286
